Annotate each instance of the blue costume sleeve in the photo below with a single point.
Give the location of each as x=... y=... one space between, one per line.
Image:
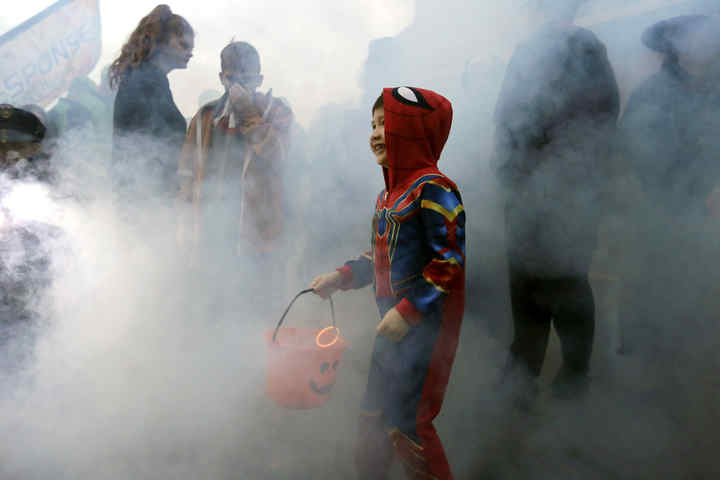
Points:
x=443 y=219
x=357 y=273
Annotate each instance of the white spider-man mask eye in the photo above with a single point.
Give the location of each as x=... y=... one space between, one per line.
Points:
x=407 y=94
x=410 y=96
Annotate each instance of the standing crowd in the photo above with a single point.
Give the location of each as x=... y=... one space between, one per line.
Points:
x=562 y=152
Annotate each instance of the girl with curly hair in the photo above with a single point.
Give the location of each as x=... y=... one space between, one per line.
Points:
x=148 y=128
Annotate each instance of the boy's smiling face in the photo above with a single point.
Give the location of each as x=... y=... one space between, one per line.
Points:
x=377 y=137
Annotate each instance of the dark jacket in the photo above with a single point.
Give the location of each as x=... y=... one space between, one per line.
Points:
x=148 y=129
x=25 y=276
x=85 y=106
x=554 y=121
x=668 y=136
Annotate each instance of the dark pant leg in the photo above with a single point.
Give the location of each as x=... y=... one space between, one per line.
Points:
x=531 y=323
x=574 y=320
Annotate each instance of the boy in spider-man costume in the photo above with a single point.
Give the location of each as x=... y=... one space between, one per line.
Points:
x=416 y=265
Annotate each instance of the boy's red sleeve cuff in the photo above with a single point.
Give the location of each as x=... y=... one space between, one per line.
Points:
x=346 y=277
x=408 y=311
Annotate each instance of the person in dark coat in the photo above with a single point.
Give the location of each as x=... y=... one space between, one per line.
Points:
x=25 y=242
x=554 y=120
x=86 y=106
x=669 y=127
x=668 y=138
x=148 y=128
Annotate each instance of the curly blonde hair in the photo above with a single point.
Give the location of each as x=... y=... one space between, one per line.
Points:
x=154 y=29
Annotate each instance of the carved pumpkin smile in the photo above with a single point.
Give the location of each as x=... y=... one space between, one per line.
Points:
x=321 y=390
x=324 y=369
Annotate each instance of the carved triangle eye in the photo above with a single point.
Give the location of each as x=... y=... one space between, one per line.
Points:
x=410 y=96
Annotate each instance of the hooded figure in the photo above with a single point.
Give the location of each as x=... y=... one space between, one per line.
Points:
x=555 y=119
x=669 y=127
x=416 y=266
x=668 y=138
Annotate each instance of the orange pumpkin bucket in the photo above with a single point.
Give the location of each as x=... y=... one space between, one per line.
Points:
x=302 y=363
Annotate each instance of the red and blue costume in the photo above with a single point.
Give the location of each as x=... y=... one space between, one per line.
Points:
x=416 y=265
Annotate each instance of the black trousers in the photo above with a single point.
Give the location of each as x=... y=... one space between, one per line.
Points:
x=537 y=303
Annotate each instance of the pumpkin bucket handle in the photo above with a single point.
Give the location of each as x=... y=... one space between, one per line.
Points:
x=302 y=292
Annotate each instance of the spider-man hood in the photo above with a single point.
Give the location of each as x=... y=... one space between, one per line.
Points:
x=417 y=125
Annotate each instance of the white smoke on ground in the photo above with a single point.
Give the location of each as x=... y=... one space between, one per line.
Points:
x=149 y=361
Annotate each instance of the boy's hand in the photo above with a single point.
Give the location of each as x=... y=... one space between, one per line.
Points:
x=240 y=98
x=393 y=326
x=326 y=284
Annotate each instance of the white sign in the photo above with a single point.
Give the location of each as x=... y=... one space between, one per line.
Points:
x=41 y=57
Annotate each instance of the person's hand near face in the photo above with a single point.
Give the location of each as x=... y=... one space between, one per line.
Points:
x=240 y=98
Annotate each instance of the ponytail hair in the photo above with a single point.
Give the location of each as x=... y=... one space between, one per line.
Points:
x=155 y=29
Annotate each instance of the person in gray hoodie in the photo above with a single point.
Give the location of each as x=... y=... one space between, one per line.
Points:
x=554 y=119
x=668 y=140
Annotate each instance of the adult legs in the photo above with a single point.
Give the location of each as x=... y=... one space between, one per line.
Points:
x=574 y=320
x=531 y=323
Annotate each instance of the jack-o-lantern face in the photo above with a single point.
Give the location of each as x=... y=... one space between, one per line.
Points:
x=327 y=380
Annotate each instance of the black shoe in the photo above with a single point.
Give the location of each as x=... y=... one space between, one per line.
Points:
x=570 y=385
x=525 y=398
x=518 y=388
